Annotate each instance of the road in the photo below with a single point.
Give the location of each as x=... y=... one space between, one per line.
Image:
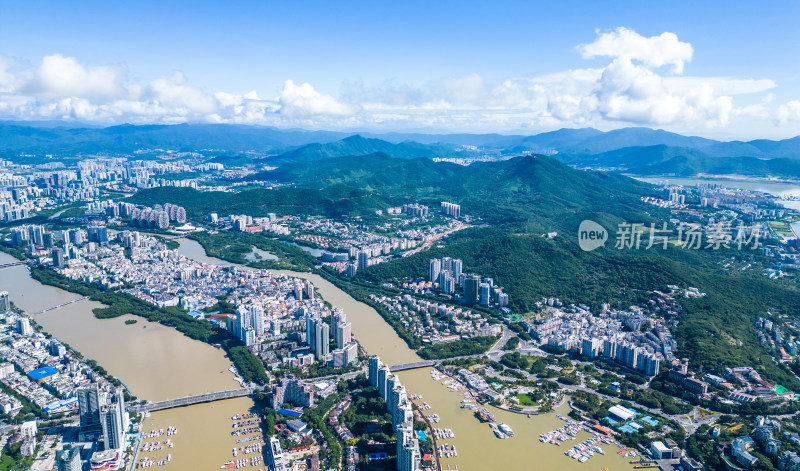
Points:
x=457 y=227
x=498 y=346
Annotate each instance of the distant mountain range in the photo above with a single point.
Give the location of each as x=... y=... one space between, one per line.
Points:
x=684 y=162
x=641 y=151
x=358 y=145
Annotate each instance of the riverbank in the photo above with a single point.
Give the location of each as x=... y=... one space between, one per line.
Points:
x=120 y=304
x=155 y=361
x=477 y=446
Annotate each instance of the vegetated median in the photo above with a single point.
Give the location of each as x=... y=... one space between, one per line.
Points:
x=119 y=304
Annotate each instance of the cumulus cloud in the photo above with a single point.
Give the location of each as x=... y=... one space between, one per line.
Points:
x=172 y=93
x=303 y=101
x=655 y=51
x=643 y=83
x=61 y=77
x=789 y=111
x=61 y=87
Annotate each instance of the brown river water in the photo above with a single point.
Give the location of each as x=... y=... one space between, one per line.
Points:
x=158 y=363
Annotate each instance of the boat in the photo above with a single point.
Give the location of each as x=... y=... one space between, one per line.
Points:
x=506 y=430
x=497 y=432
x=484 y=415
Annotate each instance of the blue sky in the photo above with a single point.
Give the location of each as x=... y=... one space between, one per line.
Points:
x=724 y=69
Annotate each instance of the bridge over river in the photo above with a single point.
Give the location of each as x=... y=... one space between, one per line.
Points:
x=13 y=264
x=59 y=305
x=224 y=395
x=413 y=365
x=190 y=400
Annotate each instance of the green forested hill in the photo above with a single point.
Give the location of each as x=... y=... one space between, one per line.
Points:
x=521 y=198
x=357 y=145
x=537 y=189
x=530 y=267
x=332 y=201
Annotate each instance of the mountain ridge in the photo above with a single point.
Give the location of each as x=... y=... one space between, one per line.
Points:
x=18 y=138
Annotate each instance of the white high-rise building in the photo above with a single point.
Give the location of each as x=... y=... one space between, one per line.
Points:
x=276 y=459
x=311 y=335
x=257 y=319
x=24 y=326
x=89 y=407
x=5 y=304
x=28 y=429
x=275 y=325
x=342 y=334
x=322 y=342
x=363 y=260
x=436 y=267
x=374 y=365
x=113 y=430
x=458 y=268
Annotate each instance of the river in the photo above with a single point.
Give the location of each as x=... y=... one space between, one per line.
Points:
x=478 y=449
x=154 y=361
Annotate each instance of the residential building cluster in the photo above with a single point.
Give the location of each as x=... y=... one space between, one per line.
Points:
x=446 y=275
x=772 y=335
x=411 y=209
x=26 y=189
x=245 y=223
x=631 y=339
x=39 y=368
x=437 y=322
x=268 y=306
x=55 y=379
x=766 y=439
x=158 y=216
x=451 y=209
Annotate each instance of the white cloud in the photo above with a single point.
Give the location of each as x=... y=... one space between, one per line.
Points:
x=302 y=101
x=8 y=78
x=787 y=112
x=60 y=77
x=173 y=94
x=655 y=51
x=642 y=84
